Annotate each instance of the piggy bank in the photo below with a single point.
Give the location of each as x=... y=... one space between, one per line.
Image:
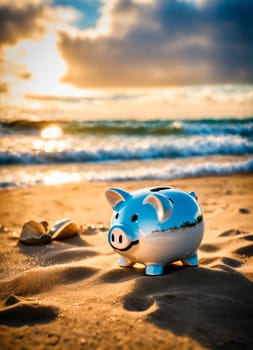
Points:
x=155 y=226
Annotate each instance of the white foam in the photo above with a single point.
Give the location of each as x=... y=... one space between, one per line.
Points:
x=127 y=148
x=121 y=172
x=172 y=171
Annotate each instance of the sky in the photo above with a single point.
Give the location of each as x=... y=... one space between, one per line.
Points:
x=97 y=59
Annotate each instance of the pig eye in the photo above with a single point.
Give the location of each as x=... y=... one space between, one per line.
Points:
x=116 y=216
x=134 y=218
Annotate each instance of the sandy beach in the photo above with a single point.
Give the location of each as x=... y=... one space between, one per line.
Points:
x=70 y=294
x=129 y=94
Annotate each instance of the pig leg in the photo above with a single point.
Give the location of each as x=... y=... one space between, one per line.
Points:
x=124 y=262
x=154 y=269
x=191 y=260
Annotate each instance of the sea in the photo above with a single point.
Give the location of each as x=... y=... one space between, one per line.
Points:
x=45 y=152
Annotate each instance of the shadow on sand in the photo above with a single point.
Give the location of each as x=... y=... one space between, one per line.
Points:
x=212 y=306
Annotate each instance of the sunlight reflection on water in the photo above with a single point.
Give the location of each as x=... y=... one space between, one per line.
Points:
x=59 y=177
x=48 y=145
x=49 y=140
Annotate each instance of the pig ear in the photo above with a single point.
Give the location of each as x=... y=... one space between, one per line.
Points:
x=116 y=195
x=162 y=205
x=194 y=195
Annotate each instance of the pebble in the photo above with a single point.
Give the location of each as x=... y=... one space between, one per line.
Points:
x=91 y=229
x=3 y=228
x=244 y=211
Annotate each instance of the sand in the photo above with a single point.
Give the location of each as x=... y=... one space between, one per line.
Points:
x=71 y=294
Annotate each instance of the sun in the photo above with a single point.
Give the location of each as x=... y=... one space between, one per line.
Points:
x=51 y=132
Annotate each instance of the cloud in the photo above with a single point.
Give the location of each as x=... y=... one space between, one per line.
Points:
x=25 y=76
x=4 y=87
x=163 y=43
x=29 y=59
x=31 y=19
x=21 y=21
x=181 y=102
x=80 y=99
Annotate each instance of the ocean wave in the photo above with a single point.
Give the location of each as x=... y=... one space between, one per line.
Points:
x=135 y=148
x=243 y=127
x=173 y=171
x=169 y=171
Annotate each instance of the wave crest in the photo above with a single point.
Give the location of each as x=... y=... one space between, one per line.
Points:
x=118 y=149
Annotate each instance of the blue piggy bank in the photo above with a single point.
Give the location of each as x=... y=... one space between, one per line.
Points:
x=155 y=226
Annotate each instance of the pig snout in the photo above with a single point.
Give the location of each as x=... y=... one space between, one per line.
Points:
x=118 y=239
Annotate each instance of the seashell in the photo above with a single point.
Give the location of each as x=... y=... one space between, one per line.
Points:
x=34 y=233
x=45 y=224
x=65 y=228
x=90 y=230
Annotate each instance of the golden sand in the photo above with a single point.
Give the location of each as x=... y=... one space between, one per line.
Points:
x=70 y=294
